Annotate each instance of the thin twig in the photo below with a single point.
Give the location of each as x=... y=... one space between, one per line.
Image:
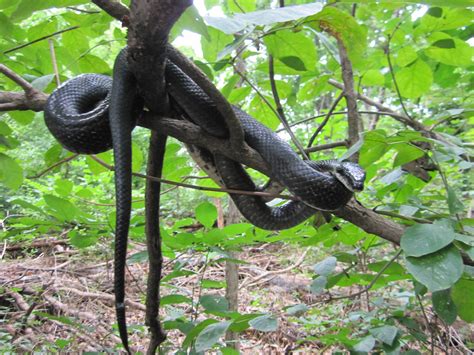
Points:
x=51 y=167
x=374 y=280
x=279 y=109
x=39 y=39
x=392 y=73
x=196 y=187
x=53 y=60
x=326 y=119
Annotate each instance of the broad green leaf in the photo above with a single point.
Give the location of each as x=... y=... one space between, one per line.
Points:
x=295 y=50
x=196 y=331
x=214 y=303
x=42 y=82
x=63 y=187
x=374 y=147
x=462 y=294
x=263 y=17
x=215 y=44
x=406 y=55
x=444 y=306
x=241 y=6
x=297 y=310
x=455 y=205
x=450 y=51
x=260 y=111
x=439 y=270
x=206 y=213
x=294 y=63
x=342 y=24
x=27 y=7
x=11 y=173
x=64 y=209
x=423 y=239
x=406 y=153
x=265 y=323
x=190 y=20
x=365 y=345
x=325 y=267
x=449 y=3
x=82 y=240
x=414 y=80
x=318 y=285
x=174 y=299
x=22 y=117
x=373 y=77
x=443 y=18
x=137 y=157
x=211 y=335
x=385 y=334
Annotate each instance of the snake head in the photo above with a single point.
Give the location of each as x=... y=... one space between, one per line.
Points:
x=351 y=175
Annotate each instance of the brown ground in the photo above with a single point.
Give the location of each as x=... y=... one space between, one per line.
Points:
x=54 y=296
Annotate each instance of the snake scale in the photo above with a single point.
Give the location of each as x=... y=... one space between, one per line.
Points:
x=92 y=113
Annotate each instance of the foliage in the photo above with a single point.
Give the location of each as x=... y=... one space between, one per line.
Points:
x=413 y=57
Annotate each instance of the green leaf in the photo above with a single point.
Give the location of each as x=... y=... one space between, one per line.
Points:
x=462 y=294
x=423 y=239
x=82 y=240
x=437 y=271
x=11 y=174
x=190 y=20
x=455 y=205
x=297 y=310
x=64 y=209
x=365 y=345
x=406 y=153
x=263 y=17
x=406 y=55
x=137 y=157
x=27 y=7
x=196 y=331
x=444 y=306
x=42 y=82
x=385 y=334
x=265 y=323
x=206 y=213
x=325 y=267
x=296 y=50
x=294 y=62
x=415 y=79
x=210 y=335
x=450 y=51
x=318 y=285
x=206 y=283
x=63 y=187
x=373 y=77
x=214 y=303
x=174 y=299
x=342 y=24
x=215 y=44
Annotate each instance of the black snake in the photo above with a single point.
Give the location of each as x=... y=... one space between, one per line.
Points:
x=93 y=113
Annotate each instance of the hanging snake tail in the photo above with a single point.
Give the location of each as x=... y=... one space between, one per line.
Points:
x=121 y=116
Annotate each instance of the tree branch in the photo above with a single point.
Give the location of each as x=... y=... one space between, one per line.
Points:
x=31 y=99
x=353 y=119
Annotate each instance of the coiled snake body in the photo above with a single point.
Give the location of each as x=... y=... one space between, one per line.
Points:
x=92 y=113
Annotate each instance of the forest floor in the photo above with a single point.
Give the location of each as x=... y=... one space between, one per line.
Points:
x=55 y=298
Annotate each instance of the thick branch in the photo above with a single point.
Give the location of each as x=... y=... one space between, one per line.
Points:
x=150 y=23
x=31 y=99
x=17 y=101
x=189 y=133
x=353 y=118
